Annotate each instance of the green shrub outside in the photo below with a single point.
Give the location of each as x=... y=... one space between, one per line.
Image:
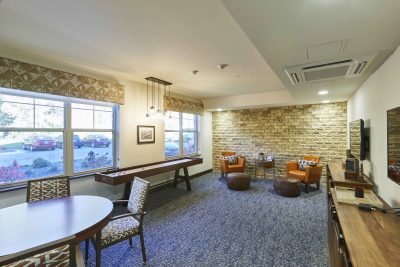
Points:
x=40 y=163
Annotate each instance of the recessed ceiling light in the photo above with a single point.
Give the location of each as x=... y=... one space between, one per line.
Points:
x=219 y=109
x=326 y=101
x=323 y=92
x=222 y=66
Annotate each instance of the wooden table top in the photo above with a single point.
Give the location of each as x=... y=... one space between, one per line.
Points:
x=28 y=225
x=125 y=175
x=337 y=173
x=265 y=163
x=151 y=167
x=372 y=238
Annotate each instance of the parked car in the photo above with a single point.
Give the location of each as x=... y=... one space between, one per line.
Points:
x=77 y=141
x=39 y=142
x=96 y=141
x=60 y=141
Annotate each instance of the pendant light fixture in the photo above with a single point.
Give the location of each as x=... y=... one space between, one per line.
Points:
x=152 y=96
x=158 y=95
x=147 y=101
x=156 y=108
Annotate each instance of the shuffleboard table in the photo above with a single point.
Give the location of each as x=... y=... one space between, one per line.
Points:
x=126 y=175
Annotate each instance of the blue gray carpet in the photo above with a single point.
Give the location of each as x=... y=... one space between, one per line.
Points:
x=215 y=226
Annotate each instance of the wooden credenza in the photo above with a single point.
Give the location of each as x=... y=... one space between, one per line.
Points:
x=335 y=175
x=360 y=238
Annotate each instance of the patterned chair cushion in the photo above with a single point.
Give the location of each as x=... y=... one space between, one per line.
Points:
x=394 y=169
x=304 y=163
x=57 y=257
x=232 y=160
x=119 y=229
x=48 y=188
x=138 y=195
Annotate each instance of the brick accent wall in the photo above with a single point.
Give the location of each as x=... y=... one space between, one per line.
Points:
x=393 y=121
x=287 y=132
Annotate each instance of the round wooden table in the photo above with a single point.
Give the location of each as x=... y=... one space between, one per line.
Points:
x=29 y=225
x=264 y=165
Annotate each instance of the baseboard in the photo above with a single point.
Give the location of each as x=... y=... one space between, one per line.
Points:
x=199 y=174
x=167 y=184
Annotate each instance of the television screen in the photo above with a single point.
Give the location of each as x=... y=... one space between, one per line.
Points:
x=393 y=144
x=356 y=130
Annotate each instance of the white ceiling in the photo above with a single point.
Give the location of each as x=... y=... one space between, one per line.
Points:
x=133 y=39
x=286 y=31
x=136 y=39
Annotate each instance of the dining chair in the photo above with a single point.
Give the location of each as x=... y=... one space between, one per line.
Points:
x=60 y=254
x=47 y=188
x=124 y=226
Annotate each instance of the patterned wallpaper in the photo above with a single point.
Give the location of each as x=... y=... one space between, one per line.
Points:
x=24 y=76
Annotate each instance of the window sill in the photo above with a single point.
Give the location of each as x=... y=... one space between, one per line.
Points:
x=13 y=188
x=181 y=157
x=23 y=185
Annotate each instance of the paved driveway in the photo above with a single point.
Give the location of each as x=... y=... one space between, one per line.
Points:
x=25 y=157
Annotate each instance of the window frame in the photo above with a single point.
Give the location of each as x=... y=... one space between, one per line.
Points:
x=67 y=131
x=182 y=130
x=71 y=131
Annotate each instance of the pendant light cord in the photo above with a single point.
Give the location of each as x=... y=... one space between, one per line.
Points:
x=159 y=107
x=147 y=97
x=163 y=101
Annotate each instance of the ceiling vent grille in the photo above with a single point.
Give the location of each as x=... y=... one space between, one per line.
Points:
x=327 y=73
x=328 y=70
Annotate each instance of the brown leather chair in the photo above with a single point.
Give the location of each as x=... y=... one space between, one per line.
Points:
x=226 y=167
x=311 y=175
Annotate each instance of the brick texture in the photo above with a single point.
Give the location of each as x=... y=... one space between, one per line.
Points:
x=287 y=132
x=393 y=116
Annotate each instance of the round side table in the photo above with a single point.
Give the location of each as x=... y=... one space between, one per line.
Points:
x=264 y=164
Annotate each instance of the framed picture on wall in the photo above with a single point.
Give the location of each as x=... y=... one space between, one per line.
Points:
x=146 y=134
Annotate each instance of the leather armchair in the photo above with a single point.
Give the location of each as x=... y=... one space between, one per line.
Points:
x=312 y=174
x=227 y=168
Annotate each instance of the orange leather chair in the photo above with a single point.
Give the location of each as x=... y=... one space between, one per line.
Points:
x=226 y=167
x=312 y=174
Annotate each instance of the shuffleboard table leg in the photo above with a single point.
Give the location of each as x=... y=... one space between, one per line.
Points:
x=127 y=190
x=187 y=179
x=176 y=177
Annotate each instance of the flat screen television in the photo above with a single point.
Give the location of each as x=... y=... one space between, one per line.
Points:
x=393 y=144
x=357 y=139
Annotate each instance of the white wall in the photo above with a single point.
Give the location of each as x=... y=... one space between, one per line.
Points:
x=133 y=113
x=379 y=93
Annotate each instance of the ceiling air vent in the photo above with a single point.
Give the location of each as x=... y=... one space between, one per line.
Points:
x=360 y=67
x=328 y=70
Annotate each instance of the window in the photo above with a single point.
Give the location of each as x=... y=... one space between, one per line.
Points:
x=44 y=136
x=92 y=129
x=180 y=134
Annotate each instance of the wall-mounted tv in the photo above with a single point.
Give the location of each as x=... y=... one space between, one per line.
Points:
x=393 y=144
x=357 y=139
